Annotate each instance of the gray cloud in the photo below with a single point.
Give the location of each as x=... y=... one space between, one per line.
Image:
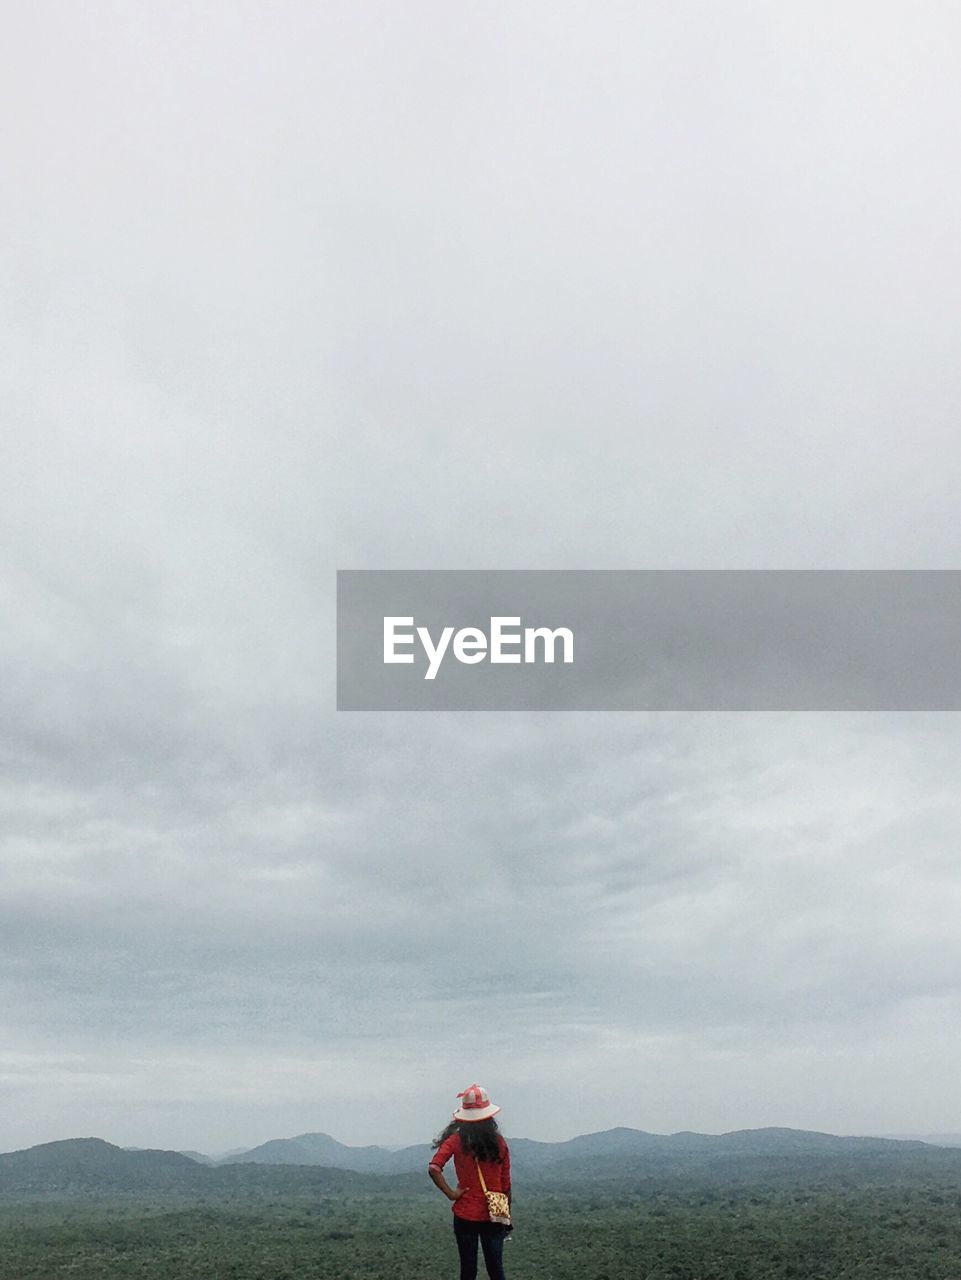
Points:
x=297 y=289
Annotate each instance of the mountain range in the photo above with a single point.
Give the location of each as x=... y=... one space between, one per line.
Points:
x=91 y=1166
x=622 y=1145
x=317 y=1163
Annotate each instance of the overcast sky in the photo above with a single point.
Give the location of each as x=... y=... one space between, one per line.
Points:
x=293 y=287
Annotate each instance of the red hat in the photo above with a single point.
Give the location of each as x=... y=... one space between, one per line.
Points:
x=476 y=1105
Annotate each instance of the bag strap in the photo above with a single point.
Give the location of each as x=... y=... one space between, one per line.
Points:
x=480 y=1174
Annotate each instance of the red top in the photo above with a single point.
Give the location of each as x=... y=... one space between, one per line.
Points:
x=472 y=1204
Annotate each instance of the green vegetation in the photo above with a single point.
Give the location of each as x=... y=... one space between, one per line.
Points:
x=613 y=1231
x=757 y=1205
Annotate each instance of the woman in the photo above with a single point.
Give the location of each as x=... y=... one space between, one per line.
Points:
x=478 y=1151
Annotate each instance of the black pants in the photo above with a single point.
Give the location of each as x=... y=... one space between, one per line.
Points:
x=491 y=1236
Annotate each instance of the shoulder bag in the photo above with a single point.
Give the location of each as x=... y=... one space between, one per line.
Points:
x=498 y=1205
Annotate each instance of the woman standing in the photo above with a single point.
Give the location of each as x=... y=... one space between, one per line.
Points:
x=481 y=1159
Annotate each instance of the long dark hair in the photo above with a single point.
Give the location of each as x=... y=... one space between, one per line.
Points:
x=478 y=1138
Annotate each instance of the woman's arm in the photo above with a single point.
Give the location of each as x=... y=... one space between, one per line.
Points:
x=441 y=1183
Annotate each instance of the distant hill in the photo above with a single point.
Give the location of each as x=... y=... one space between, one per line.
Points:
x=748 y=1153
x=322 y=1149
x=76 y=1164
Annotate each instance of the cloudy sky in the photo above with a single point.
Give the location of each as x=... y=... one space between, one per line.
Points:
x=293 y=287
